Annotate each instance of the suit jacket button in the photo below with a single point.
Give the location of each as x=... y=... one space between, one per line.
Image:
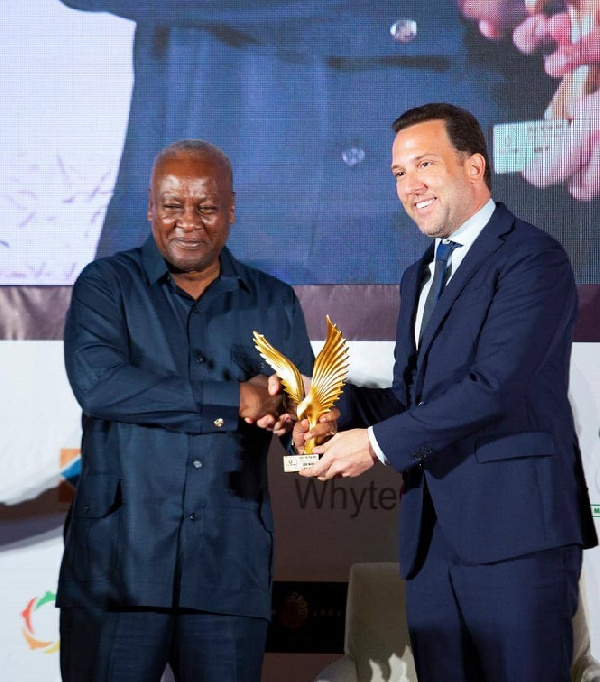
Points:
x=193 y=516
x=219 y=422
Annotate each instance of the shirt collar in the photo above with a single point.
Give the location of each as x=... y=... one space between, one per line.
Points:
x=468 y=232
x=156 y=267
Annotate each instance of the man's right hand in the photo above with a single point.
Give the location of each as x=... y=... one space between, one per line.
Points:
x=258 y=402
x=325 y=429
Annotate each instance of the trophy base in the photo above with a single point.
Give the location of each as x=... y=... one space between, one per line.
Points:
x=298 y=462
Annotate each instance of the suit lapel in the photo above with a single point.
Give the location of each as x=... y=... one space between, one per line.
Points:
x=406 y=350
x=410 y=292
x=490 y=239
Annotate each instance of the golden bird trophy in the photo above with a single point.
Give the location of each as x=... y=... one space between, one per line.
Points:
x=329 y=372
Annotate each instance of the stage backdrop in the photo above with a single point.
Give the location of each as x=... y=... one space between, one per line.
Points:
x=301 y=96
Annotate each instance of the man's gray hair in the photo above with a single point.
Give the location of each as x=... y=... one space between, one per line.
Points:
x=193 y=147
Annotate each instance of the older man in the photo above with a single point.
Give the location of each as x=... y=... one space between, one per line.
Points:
x=169 y=542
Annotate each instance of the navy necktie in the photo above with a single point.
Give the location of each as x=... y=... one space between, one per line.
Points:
x=442 y=256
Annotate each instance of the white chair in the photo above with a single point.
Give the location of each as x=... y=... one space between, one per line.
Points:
x=585 y=667
x=376 y=641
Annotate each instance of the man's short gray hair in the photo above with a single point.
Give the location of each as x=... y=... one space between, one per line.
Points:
x=194 y=147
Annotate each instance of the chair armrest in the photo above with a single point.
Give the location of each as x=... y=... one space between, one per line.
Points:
x=586 y=669
x=341 y=670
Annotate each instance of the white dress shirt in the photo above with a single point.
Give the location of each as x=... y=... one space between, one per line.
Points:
x=466 y=234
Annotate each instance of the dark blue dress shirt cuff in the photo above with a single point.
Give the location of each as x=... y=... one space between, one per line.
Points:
x=219 y=405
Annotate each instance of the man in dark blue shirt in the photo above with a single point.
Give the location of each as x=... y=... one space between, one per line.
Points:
x=169 y=542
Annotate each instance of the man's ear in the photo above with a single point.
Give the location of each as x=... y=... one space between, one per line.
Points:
x=232 y=209
x=150 y=207
x=476 y=166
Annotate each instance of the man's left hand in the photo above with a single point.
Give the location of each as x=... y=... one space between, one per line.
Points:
x=346 y=455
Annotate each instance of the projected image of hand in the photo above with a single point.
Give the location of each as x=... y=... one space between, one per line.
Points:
x=570 y=41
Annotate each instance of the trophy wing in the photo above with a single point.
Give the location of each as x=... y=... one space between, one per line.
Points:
x=285 y=369
x=330 y=371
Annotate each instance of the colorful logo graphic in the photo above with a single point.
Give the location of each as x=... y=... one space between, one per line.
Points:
x=70 y=469
x=36 y=627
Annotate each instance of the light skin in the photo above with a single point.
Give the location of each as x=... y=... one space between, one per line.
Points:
x=440 y=188
x=575 y=160
x=191 y=206
x=495 y=18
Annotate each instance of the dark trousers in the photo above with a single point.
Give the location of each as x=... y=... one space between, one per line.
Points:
x=135 y=645
x=500 y=622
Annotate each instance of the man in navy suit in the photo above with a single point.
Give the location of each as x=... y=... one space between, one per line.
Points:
x=495 y=510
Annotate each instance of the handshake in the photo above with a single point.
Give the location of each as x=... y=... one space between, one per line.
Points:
x=312 y=399
x=345 y=455
x=263 y=402
x=312 y=418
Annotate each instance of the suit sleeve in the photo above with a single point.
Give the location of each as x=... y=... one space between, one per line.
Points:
x=363 y=406
x=527 y=325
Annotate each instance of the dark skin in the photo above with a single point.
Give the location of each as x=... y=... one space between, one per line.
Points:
x=191 y=206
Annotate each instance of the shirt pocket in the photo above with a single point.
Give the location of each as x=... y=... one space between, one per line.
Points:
x=92 y=536
x=247 y=363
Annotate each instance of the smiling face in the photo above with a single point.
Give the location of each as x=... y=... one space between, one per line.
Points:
x=439 y=187
x=191 y=206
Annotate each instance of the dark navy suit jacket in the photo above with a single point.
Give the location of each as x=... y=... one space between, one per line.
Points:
x=481 y=413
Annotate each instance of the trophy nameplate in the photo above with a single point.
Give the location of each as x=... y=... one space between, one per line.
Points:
x=329 y=372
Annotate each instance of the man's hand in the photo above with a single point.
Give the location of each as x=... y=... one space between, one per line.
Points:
x=282 y=422
x=495 y=18
x=326 y=428
x=539 y=32
x=261 y=402
x=575 y=159
x=347 y=454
